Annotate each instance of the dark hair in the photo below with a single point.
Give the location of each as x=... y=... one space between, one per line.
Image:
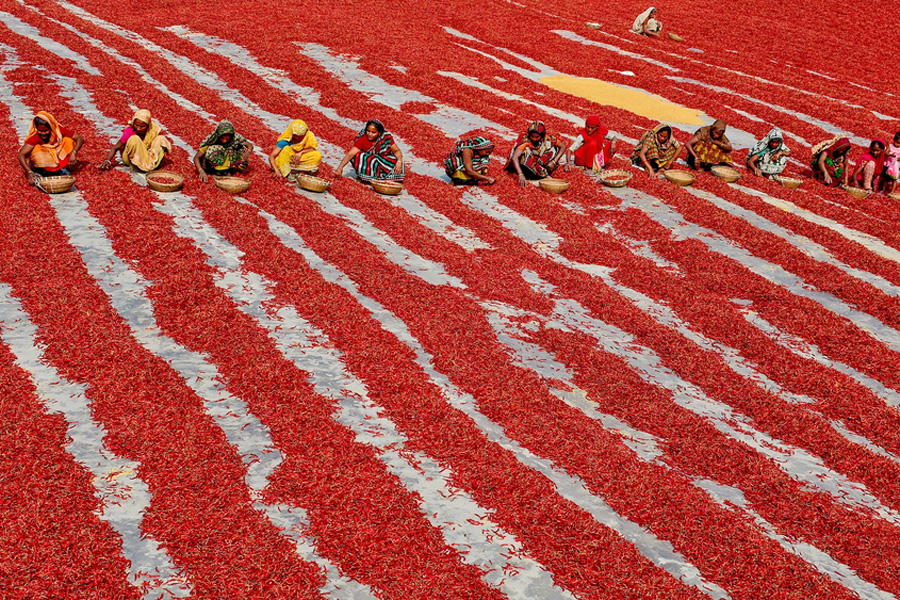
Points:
x=897 y=135
x=41 y=122
x=378 y=125
x=875 y=144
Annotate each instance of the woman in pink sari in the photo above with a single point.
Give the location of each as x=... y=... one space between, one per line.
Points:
x=870 y=167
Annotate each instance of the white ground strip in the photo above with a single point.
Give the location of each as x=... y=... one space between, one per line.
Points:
x=680 y=226
x=802 y=243
x=806 y=349
x=453 y=121
x=796 y=462
x=514 y=335
x=464 y=524
x=123 y=495
x=870 y=242
x=733 y=499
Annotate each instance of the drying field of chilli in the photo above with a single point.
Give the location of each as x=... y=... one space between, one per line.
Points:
x=644 y=392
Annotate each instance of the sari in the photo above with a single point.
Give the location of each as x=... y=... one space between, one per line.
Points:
x=835 y=152
x=891 y=162
x=222 y=158
x=375 y=161
x=762 y=150
x=658 y=154
x=454 y=165
x=535 y=158
x=144 y=154
x=309 y=161
x=593 y=151
x=872 y=173
x=52 y=155
x=708 y=152
x=652 y=24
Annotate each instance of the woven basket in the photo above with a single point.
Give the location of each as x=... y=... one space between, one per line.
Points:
x=726 y=174
x=894 y=196
x=679 y=177
x=554 y=186
x=235 y=185
x=615 y=177
x=675 y=37
x=56 y=185
x=313 y=184
x=157 y=181
x=388 y=188
x=857 y=193
x=789 y=182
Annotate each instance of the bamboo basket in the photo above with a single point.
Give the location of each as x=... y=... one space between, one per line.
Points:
x=234 y=185
x=790 y=183
x=675 y=37
x=857 y=193
x=55 y=185
x=679 y=177
x=894 y=196
x=615 y=177
x=554 y=186
x=313 y=184
x=388 y=188
x=154 y=180
x=726 y=174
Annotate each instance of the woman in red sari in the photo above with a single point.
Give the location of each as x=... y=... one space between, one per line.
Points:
x=592 y=148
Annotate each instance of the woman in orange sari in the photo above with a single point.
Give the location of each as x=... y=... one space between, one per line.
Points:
x=48 y=149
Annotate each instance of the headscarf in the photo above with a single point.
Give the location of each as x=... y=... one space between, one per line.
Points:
x=840 y=146
x=56 y=151
x=762 y=146
x=537 y=127
x=297 y=127
x=153 y=128
x=55 y=129
x=705 y=133
x=879 y=162
x=650 y=139
x=223 y=128
x=638 y=26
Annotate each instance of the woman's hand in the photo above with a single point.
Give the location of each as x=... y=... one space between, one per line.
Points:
x=489 y=180
x=522 y=180
x=203 y=176
x=567 y=167
x=828 y=179
x=32 y=177
x=398 y=168
x=106 y=165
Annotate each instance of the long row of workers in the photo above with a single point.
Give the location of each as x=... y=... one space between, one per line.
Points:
x=50 y=149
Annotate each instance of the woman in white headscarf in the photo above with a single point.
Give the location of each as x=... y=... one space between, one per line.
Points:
x=769 y=156
x=647 y=23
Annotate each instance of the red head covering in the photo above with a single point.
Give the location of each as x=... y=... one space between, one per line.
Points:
x=592 y=121
x=879 y=162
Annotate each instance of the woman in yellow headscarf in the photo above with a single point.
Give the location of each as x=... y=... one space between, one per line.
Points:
x=296 y=150
x=142 y=144
x=48 y=149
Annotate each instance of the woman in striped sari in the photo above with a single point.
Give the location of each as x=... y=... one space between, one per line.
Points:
x=374 y=155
